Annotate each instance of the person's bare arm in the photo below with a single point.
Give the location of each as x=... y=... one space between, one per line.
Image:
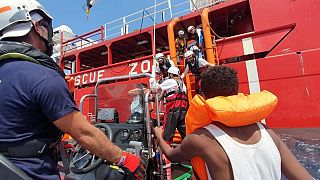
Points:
x=290 y=166
x=134 y=92
x=137 y=91
x=161 y=96
x=209 y=65
x=188 y=149
x=183 y=75
x=88 y=136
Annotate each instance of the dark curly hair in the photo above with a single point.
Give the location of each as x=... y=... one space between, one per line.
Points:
x=219 y=81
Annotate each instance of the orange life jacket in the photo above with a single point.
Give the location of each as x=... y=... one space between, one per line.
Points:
x=237 y=110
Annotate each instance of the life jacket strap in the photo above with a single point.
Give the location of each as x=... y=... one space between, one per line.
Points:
x=17 y=56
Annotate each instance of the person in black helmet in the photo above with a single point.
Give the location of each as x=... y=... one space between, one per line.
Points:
x=36 y=104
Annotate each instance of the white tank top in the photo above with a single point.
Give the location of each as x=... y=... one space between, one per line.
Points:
x=258 y=161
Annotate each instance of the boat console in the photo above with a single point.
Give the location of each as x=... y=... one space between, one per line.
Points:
x=132 y=135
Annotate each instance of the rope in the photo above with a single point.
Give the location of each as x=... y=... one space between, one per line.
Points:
x=206 y=21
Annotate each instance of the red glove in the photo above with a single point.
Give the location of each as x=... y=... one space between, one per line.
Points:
x=132 y=164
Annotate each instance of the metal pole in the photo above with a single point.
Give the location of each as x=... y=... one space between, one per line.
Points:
x=163 y=16
x=148 y=124
x=170 y=8
x=123 y=28
x=81 y=104
x=127 y=29
x=191 y=5
x=154 y=25
x=157 y=97
x=158 y=124
x=61 y=50
x=105 y=31
x=82 y=100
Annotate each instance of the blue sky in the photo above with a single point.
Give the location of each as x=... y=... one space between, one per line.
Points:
x=72 y=14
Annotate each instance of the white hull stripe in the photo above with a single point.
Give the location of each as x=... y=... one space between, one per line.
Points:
x=251 y=67
x=247 y=46
x=253 y=77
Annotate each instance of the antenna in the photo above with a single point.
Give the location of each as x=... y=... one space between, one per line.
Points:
x=154 y=39
x=154 y=27
x=153 y=73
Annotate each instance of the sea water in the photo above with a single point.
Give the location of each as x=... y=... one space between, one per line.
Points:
x=307 y=151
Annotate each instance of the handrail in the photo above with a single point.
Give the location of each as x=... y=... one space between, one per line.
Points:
x=81 y=36
x=149 y=15
x=172 y=46
x=81 y=41
x=207 y=36
x=113 y=79
x=148 y=127
x=83 y=98
x=169 y=9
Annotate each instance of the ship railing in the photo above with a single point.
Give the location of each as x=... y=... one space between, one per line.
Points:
x=163 y=11
x=199 y=4
x=82 y=41
x=138 y=20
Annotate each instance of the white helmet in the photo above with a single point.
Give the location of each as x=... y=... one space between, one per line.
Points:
x=194 y=48
x=190 y=28
x=181 y=32
x=188 y=54
x=159 y=57
x=17 y=16
x=174 y=70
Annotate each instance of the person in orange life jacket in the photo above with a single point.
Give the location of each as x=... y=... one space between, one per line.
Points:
x=181 y=45
x=196 y=66
x=163 y=65
x=36 y=104
x=174 y=91
x=246 y=152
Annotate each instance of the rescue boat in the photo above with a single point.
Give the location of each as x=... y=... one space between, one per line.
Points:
x=273 y=44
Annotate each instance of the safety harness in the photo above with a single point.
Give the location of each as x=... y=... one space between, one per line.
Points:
x=181 y=45
x=167 y=65
x=194 y=68
x=177 y=96
x=176 y=108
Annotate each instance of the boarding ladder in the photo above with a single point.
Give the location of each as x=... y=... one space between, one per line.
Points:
x=190 y=78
